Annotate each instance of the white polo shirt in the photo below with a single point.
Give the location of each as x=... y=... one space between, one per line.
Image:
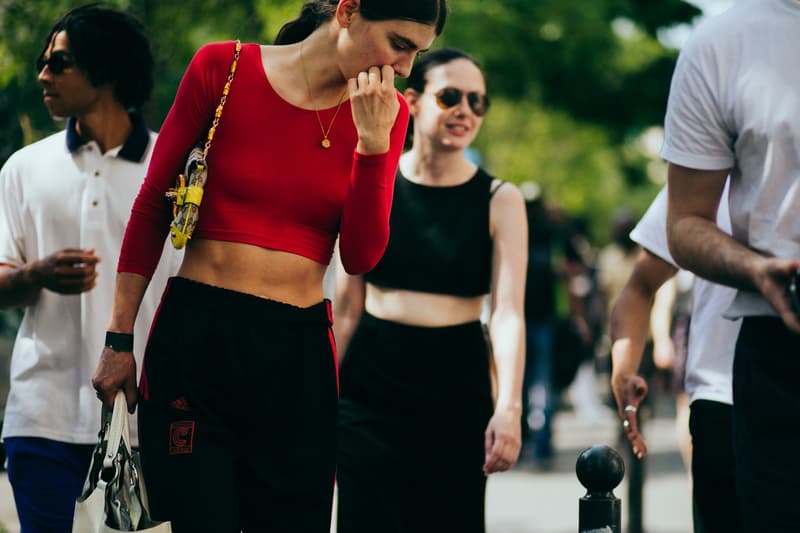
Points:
x=734 y=103
x=54 y=194
x=712 y=338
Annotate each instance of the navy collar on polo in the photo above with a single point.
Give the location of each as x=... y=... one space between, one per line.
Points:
x=134 y=148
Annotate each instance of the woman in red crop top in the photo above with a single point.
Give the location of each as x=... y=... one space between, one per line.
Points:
x=237 y=398
x=419 y=429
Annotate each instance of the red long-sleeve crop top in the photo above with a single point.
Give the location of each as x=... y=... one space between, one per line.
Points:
x=270 y=183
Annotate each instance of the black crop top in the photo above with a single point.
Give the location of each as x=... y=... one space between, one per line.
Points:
x=439 y=239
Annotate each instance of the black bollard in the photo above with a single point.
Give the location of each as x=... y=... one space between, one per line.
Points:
x=600 y=469
x=635 y=499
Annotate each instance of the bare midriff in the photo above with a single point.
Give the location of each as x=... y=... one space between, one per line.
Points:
x=273 y=274
x=421 y=308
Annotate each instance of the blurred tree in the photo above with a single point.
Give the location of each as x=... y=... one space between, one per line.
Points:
x=574 y=83
x=599 y=61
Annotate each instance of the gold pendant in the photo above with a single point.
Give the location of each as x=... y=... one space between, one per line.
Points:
x=326 y=143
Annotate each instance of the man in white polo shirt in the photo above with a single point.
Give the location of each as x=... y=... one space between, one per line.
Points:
x=734 y=108
x=709 y=368
x=64 y=204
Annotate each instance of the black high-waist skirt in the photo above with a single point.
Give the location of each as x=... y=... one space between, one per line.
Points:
x=414 y=406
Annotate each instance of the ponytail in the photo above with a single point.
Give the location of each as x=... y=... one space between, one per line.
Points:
x=312 y=16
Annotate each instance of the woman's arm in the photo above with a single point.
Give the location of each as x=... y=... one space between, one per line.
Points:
x=661 y=324
x=507 y=326
x=148 y=225
x=364 y=228
x=117 y=369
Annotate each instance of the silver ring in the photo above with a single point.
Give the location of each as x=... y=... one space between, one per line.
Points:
x=626 y=424
x=630 y=409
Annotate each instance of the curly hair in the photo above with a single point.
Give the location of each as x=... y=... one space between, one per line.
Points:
x=109 y=46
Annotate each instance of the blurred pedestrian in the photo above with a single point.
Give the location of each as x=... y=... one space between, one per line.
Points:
x=419 y=430
x=64 y=202
x=616 y=260
x=732 y=111
x=709 y=367
x=237 y=400
x=538 y=392
x=613 y=266
x=553 y=261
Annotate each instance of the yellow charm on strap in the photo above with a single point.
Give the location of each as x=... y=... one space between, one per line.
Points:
x=187 y=198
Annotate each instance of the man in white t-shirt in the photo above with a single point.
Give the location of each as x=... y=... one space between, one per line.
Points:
x=709 y=367
x=734 y=109
x=64 y=204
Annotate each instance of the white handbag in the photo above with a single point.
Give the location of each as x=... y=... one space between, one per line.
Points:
x=114 y=498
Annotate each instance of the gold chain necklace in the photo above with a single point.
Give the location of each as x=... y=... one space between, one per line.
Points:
x=326 y=142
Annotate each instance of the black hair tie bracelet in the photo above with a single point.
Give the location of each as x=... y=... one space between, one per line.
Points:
x=119 y=342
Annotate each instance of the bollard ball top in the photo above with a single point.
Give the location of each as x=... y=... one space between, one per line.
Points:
x=600 y=468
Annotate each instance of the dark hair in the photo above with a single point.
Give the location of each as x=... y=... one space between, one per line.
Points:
x=317 y=12
x=109 y=46
x=418 y=77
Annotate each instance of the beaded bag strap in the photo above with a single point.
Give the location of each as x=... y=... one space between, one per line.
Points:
x=218 y=112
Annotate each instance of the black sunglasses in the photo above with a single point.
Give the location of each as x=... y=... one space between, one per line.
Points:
x=450 y=97
x=57 y=63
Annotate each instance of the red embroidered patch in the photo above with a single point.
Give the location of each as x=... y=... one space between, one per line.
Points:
x=181 y=437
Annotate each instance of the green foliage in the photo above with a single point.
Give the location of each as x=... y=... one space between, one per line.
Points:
x=178 y=30
x=575 y=164
x=574 y=83
x=275 y=14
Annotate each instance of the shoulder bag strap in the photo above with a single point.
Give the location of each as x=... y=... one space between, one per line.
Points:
x=218 y=111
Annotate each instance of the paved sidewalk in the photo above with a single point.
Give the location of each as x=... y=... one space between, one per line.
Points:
x=530 y=501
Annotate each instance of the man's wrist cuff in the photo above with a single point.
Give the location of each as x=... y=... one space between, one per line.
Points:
x=119 y=342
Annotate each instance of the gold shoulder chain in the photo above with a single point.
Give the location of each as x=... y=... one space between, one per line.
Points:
x=227 y=89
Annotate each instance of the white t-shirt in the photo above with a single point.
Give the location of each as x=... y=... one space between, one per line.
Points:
x=712 y=338
x=734 y=104
x=51 y=199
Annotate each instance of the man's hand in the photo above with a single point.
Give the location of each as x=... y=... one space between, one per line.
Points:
x=629 y=392
x=68 y=271
x=771 y=278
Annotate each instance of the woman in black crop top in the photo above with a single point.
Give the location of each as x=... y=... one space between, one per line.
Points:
x=421 y=422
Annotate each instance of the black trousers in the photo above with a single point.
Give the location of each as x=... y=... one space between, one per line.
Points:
x=715 y=503
x=766 y=425
x=237 y=413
